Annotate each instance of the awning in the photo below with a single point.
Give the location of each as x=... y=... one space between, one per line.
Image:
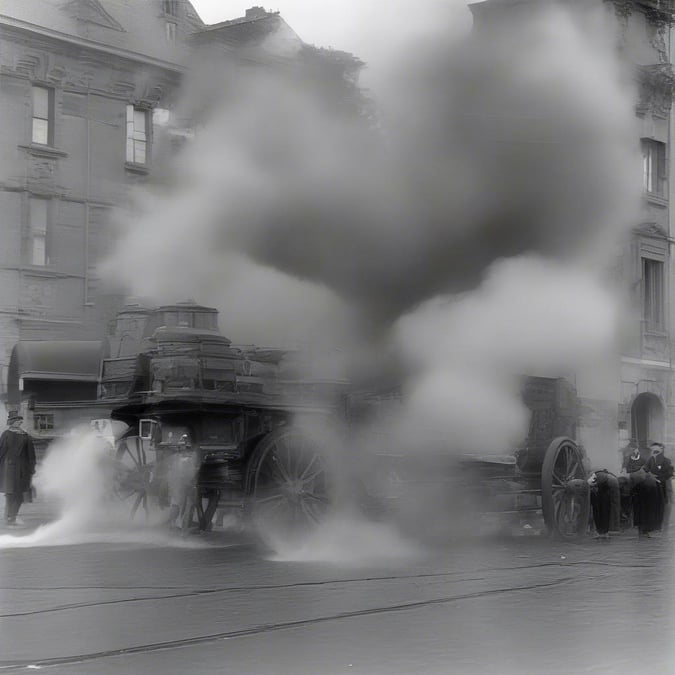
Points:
x=62 y=360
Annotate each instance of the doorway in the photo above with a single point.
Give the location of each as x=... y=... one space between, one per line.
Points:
x=646 y=420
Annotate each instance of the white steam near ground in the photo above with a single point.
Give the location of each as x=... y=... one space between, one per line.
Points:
x=76 y=479
x=464 y=227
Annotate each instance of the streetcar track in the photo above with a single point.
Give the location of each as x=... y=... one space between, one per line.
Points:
x=190 y=594
x=273 y=627
x=269 y=587
x=265 y=587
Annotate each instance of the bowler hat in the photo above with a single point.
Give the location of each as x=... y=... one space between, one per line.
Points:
x=12 y=416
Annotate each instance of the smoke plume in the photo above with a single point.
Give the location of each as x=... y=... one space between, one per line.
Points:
x=458 y=217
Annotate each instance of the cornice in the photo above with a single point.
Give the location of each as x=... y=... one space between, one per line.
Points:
x=49 y=34
x=652 y=230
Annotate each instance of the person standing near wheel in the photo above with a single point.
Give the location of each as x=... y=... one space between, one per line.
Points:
x=632 y=474
x=181 y=473
x=662 y=469
x=647 y=501
x=605 y=502
x=17 y=466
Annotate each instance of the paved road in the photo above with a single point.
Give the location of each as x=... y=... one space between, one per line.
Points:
x=366 y=604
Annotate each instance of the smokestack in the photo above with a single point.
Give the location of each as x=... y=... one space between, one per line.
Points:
x=256 y=13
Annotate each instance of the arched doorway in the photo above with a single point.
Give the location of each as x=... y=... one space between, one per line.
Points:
x=646 y=420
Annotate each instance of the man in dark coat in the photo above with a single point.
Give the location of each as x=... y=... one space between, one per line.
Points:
x=647 y=501
x=632 y=468
x=632 y=460
x=605 y=502
x=17 y=466
x=662 y=469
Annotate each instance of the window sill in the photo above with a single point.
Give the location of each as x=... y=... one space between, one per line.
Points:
x=132 y=167
x=656 y=199
x=43 y=151
x=656 y=332
x=47 y=271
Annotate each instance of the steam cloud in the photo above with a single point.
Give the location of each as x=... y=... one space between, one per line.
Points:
x=467 y=235
x=76 y=477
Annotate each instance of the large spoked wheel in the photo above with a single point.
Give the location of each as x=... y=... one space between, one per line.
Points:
x=290 y=487
x=133 y=477
x=565 y=494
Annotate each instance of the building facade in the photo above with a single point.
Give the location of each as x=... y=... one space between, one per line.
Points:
x=87 y=89
x=81 y=85
x=632 y=404
x=646 y=406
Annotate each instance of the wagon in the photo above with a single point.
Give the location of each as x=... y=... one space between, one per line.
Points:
x=214 y=426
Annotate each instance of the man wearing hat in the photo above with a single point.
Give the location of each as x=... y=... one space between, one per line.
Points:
x=662 y=468
x=17 y=465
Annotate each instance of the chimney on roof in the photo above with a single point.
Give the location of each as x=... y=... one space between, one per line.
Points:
x=255 y=12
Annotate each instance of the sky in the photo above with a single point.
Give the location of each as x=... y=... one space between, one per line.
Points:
x=329 y=23
x=301 y=15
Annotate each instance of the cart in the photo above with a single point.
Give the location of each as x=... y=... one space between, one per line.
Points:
x=214 y=426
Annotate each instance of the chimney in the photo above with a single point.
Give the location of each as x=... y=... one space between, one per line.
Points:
x=255 y=13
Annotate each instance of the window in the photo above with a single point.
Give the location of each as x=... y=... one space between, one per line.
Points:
x=653 y=296
x=39 y=216
x=171 y=7
x=137 y=135
x=43 y=116
x=654 y=167
x=170 y=31
x=43 y=422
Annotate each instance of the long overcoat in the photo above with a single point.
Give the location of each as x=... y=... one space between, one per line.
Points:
x=17 y=461
x=662 y=468
x=606 y=501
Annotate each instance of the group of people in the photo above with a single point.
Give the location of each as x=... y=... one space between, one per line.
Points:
x=641 y=496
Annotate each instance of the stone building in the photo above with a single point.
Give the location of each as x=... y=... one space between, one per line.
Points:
x=634 y=403
x=646 y=404
x=81 y=82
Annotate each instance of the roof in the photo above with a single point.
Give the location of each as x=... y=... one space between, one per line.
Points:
x=63 y=360
x=187 y=306
x=258 y=30
x=186 y=334
x=135 y=28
